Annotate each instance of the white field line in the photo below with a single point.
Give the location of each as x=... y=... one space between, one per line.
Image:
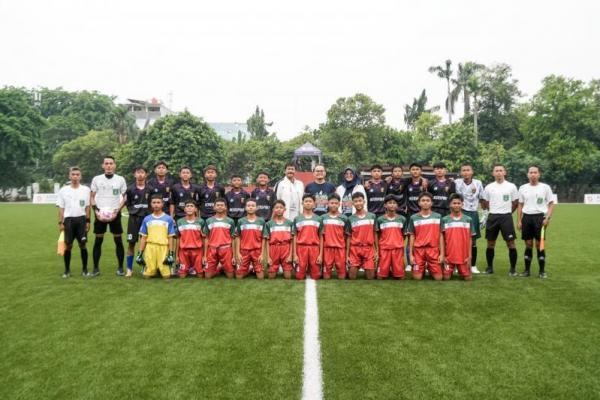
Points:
x=312 y=385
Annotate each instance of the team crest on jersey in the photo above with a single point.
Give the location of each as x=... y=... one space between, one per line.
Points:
x=381 y=190
x=167 y=189
x=268 y=197
x=446 y=189
x=243 y=200
x=135 y=197
x=505 y=197
x=473 y=190
x=206 y=196
x=115 y=191
x=180 y=194
x=81 y=203
x=540 y=200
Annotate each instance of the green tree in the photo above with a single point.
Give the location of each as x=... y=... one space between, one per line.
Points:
x=418 y=107
x=455 y=145
x=461 y=87
x=257 y=127
x=20 y=143
x=86 y=152
x=181 y=139
x=445 y=72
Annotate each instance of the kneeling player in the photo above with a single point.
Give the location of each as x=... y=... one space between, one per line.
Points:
x=390 y=240
x=459 y=231
x=278 y=234
x=307 y=242
x=248 y=242
x=360 y=252
x=333 y=242
x=219 y=231
x=191 y=241
x=156 y=244
x=426 y=244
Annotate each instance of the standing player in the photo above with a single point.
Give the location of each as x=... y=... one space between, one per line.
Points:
x=320 y=189
x=426 y=244
x=376 y=190
x=360 y=243
x=236 y=199
x=534 y=212
x=74 y=218
x=500 y=198
x=390 y=240
x=161 y=184
x=210 y=191
x=290 y=190
x=333 y=239
x=264 y=196
x=350 y=185
x=278 y=234
x=307 y=242
x=182 y=192
x=157 y=246
x=441 y=188
x=416 y=185
x=220 y=232
x=397 y=188
x=191 y=241
x=458 y=231
x=248 y=242
x=107 y=200
x=471 y=191
x=137 y=198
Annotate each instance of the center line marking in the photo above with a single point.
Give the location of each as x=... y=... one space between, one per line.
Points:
x=312 y=386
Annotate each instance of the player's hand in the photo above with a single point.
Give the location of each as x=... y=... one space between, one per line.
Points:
x=204 y=261
x=441 y=258
x=376 y=258
x=367 y=185
x=483 y=221
x=289 y=260
x=425 y=183
x=388 y=179
x=269 y=261
x=468 y=262
x=319 y=260
x=87 y=227
x=61 y=227
x=169 y=259
x=412 y=260
x=546 y=222
x=139 y=259
x=519 y=225
x=98 y=216
x=114 y=215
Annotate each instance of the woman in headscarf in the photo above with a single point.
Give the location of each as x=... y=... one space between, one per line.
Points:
x=350 y=185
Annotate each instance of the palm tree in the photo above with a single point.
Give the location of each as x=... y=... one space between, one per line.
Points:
x=123 y=123
x=419 y=106
x=464 y=73
x=475 y=88
x=445 y=72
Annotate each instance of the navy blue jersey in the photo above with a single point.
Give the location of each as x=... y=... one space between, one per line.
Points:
x=397 y=188
x=321 y=191
x=441 y=190
x=376 y=196
x=138 y=200
x=180 y=194
x=236 y=203
x=413 y=190
x=208 y=195
x=164 y=189
x=264 y=202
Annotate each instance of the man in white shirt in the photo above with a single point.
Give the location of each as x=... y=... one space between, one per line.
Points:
x=74 y=218
x=471 y=191
x=500 y=198
x=290 y=190
x=536 y=203
x=107 y=199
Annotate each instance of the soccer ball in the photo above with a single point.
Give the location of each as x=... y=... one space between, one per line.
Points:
x=105 y=213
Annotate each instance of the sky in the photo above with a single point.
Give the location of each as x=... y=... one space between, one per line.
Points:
x=292 y=58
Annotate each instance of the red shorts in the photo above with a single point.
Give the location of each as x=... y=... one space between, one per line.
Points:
x=464 y=270
x=362 y=257
x=279 y=253
x=216 y=255
x=427 y=257
x=393 y=258
x=307 y=261
x=337 y=256
x=249 y=257
x=190 y=260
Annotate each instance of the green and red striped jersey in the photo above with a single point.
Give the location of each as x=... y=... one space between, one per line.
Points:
x=361 y=230
x=307 y=229
x=279 y=233
x=426 y=229
x=333 y=229
x=219 y=231
x=458 y=233
x=250 y=233
x=391 y=232
x=190 y=233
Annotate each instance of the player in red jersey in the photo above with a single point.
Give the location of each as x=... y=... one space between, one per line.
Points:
x=249 y=242
x=191 y=241
x=278 y=243
x=307 y=241
x=458 y=230
x=333 y=240
x=426 y=243
x=219 y=231
x=390 y=240
x=361 y=251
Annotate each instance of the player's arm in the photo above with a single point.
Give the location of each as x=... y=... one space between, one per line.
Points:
x=442 y=248
x=236 y=249
x=376 y=244
x=205 y=252
x=411 y=243
x=172 y=210
x=87 y=217
x=549 y=213
x=172 y=243
x=520 y=216
x=348 y=250
x=294 y=246
x=515 y=204
x=320 y=257
x=61 y=218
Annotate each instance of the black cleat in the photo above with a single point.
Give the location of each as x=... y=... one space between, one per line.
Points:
x=543 y=275
x=489 y=271
x=525 y=274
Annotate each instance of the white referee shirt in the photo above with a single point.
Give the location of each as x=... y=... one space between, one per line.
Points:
x=500 y=196
x=471 y=193
x=108 y=191
x=535 y=198
x=73 y=201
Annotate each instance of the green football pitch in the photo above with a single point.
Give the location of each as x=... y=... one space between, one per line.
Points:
x=114 y=338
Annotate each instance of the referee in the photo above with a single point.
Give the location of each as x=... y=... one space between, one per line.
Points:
x=500 y=198
x=534 y=212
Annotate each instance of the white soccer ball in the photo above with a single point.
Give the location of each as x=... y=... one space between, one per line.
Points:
x=105 y=213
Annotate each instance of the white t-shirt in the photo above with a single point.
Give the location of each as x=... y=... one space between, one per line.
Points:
x=500 y=196
x=108 y=191
x=535 y=199
x=74 y=201
x=471 y=193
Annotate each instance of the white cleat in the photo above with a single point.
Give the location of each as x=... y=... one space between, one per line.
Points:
x=474 y=270
x=408 y=268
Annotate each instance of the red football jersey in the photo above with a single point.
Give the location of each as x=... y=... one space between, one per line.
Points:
x=361 y=230
x=426 y=229
x=190 y=233
x=391 y=232
x=220 y=231
x=279 y=233
x=457 y=237
x=307 y=229
x=250 y=233
x=333 y=230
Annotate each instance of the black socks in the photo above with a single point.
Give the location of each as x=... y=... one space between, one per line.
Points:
x=120 y=250
x=67 y=259
x=512 y=256
x=97 y=252
x=489 y=256
x=542 y=260
x=473 y=255
x=528 y=257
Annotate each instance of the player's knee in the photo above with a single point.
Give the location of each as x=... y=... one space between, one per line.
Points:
x=511 y=244
x=417 y=276
x=437 y=277
x=491 y=244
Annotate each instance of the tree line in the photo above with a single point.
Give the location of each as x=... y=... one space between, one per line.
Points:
x=43 y=132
